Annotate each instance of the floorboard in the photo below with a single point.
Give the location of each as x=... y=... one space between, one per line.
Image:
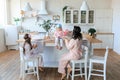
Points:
x=10 y=67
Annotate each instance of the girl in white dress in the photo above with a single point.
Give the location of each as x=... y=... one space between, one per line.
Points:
x=30 y=50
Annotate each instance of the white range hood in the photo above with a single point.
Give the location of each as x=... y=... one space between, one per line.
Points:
x=42 y=8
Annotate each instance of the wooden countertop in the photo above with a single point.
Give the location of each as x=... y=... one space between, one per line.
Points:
x=22 y=40
x=51 y=40
x=31 y=33
x=105 y=33
x=46 y=40
x=91 y=40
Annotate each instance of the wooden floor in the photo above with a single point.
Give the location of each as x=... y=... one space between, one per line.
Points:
x=10 y=68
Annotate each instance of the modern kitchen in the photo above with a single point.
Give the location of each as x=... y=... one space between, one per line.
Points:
x=19 y=17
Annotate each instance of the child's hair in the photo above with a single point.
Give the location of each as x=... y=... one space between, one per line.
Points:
x=59 y=26
x=77 y=33
x=27 y=38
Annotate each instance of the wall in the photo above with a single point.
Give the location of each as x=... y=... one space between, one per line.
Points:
x=103 y=12
x=2 y=41
x=116 y=24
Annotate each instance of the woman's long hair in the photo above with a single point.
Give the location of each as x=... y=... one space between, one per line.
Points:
x=27 y=40
x=77 y=33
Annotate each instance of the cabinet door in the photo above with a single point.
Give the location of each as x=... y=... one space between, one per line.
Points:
x=11 y=35
x=68 y=16
x=91 y=16
x=75 y=16
x=83 y=17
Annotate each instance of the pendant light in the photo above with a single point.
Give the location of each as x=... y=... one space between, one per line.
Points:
x=84 y=6
x=27 y=7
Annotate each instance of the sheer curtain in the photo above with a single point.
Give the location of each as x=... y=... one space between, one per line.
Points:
x=3 y=14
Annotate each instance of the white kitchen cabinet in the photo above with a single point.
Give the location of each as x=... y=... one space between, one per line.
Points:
x=80 y=17
x=107 y=40
x=11 y=36
x=75 y=16
x=68 y=16
x=71 y=16
x=87 y=17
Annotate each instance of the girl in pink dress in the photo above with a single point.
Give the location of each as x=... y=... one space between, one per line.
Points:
x=59 y=33
x=75 y=51
x=31 y=50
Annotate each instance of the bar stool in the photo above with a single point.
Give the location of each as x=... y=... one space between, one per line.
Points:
x=25 y=68
x=83 y=60
x=98 y=60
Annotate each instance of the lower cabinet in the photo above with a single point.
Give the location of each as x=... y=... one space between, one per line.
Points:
x=107 y=40
x=11 y=36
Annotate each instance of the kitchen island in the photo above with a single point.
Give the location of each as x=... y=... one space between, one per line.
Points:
x=51 y=55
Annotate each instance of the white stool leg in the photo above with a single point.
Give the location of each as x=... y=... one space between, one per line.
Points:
x=73 y=70
x=104 y=72
x=37 y=63
x=37 y=73
x=21 y=70
x=85 y=71
x=90 y=68
x=80 y=69
x=23 y=77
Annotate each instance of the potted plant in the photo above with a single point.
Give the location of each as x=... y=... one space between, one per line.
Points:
x=92 y=32
x=16 y=20
x=46 y=26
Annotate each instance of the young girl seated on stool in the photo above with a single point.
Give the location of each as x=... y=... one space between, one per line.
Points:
x=30 y=50
x=58 y=37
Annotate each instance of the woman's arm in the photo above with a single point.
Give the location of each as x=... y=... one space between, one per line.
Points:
x=69 y=44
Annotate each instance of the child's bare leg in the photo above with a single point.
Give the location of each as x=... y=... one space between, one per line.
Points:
x=56 y=42
x=61 y=43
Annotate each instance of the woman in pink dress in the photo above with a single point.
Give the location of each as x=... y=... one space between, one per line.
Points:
x=75 y=51
x=30 y=50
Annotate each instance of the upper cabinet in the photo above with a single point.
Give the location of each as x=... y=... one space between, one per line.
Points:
x=91 y=16
x=77 y=16
x=68 y=16
x=83 y=17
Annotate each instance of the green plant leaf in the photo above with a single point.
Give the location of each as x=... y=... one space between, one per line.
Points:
x=46 y=25
x=91 y=30
x=16 y=19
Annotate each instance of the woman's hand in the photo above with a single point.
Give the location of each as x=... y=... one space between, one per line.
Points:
x=66 y=40
x=34 y=45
